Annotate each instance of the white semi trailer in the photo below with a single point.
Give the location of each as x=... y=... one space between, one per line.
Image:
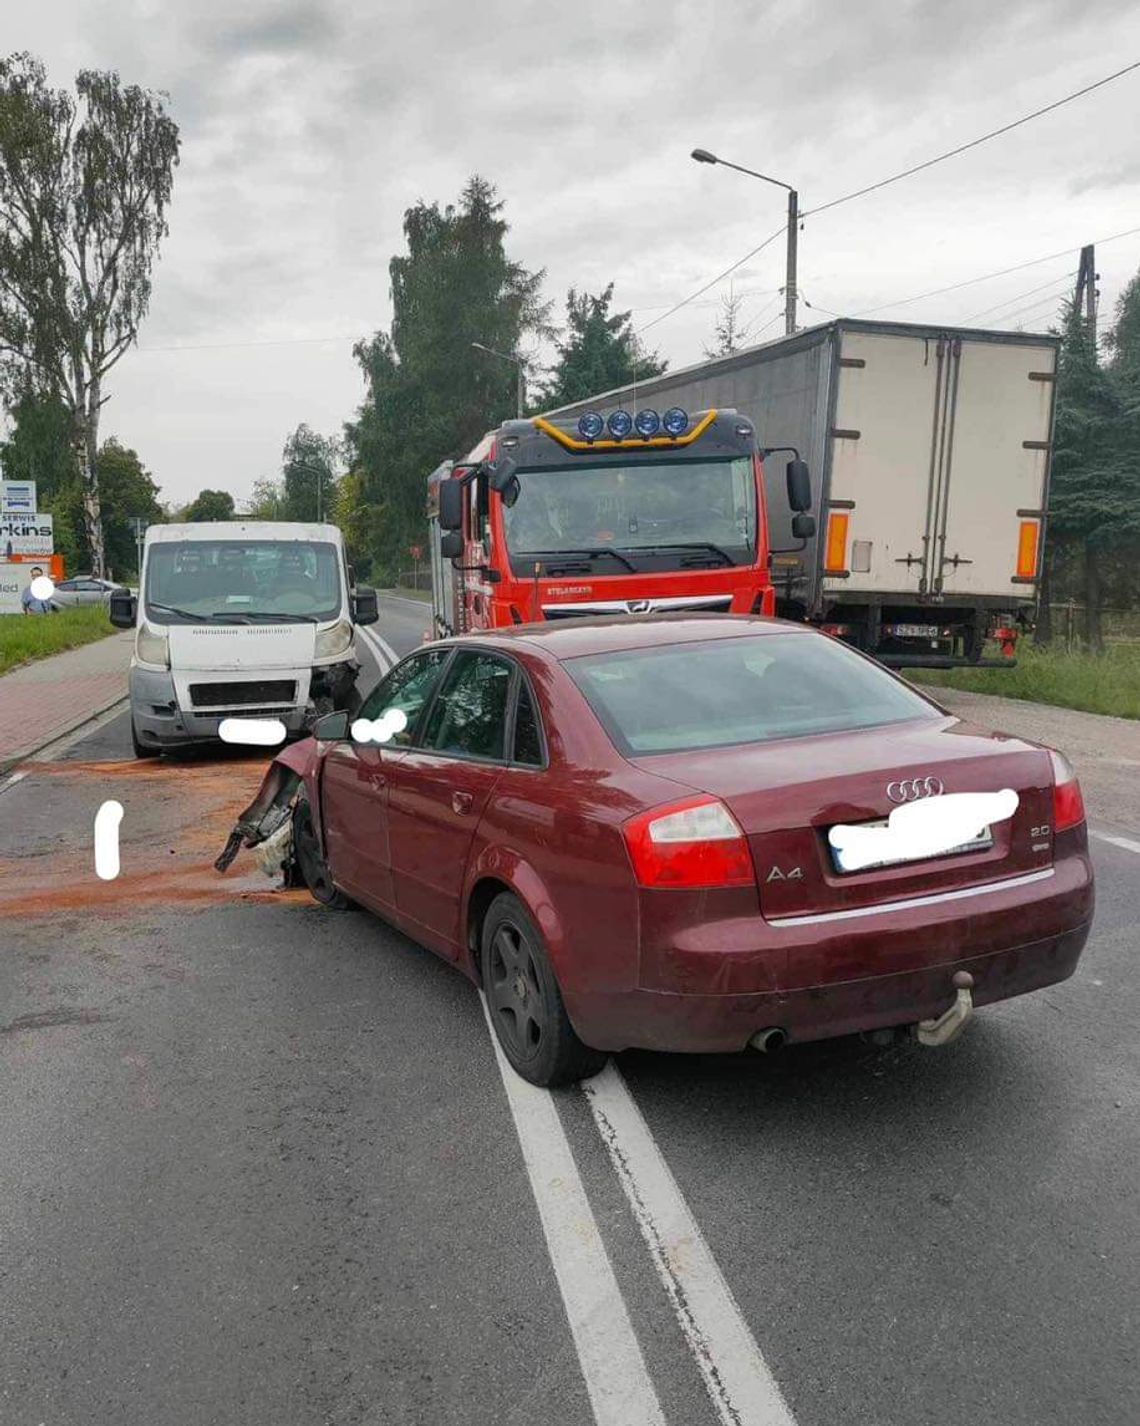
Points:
x=929 y=450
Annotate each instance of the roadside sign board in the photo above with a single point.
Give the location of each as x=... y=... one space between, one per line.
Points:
x=26 y=535
x=14 y=579
x=17 y=497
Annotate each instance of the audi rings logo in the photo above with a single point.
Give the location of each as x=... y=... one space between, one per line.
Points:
x=910 y=789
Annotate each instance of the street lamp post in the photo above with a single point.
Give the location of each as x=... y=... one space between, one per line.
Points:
x=519 y=363
x=703 y=156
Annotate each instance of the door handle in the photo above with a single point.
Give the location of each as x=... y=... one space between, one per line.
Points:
x=461 y=802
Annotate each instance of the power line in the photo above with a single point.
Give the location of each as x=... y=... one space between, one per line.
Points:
x=700 y=292
x=985 y=276
x=1046 y=302
x=973 y=144
x=1009 y=301
x=230 y=346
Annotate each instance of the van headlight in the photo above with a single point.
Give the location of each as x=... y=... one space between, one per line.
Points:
x=152 y=646
x=337 y=640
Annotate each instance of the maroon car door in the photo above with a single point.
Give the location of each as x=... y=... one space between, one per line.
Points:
x=354 y=785
x=437 y=791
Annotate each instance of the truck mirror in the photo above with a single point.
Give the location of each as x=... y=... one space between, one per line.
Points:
x=510 y=492
x=803 y=526
x=799 y=485
x=451 y=545
x=331 y=727
x=450 y=505
x=124 y=609
x=365 y=609
x=500 y=473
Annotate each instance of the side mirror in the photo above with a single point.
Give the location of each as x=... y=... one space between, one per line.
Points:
x=799 y=485
x=365 y=609
x=510 y=492
x=331 y=727
x=500 y=473
x=123 y=609
x=451 y=505
x=451 y=545
x=803 y=526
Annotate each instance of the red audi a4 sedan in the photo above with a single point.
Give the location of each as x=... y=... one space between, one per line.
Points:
x=622 y=831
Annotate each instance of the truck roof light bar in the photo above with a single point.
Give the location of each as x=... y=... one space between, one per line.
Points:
x=669 y=441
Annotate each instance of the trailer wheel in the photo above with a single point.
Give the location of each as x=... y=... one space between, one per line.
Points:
x=310 y=859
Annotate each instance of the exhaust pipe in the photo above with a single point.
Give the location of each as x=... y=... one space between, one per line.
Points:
x=770 y=1040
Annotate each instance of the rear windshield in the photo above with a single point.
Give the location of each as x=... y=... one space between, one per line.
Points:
x=739 y=690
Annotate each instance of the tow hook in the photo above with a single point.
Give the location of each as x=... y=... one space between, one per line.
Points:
x=952 y=1022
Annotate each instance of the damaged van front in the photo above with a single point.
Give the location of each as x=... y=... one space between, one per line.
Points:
x=240 y=619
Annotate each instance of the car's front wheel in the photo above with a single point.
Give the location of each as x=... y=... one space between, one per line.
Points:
x=311 y=861
x=525 y=1004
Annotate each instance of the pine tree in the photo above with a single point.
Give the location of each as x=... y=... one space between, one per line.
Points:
x=730 y=334
x=598 y=352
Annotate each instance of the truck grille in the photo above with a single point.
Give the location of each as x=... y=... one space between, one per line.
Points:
x=227 y=695
x=700 y=604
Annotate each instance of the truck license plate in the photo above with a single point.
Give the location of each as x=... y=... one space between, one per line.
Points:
x=915 y=631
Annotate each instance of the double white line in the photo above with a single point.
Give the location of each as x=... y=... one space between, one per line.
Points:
x=740 y=1386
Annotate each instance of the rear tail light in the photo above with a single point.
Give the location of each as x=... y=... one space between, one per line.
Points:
x=694 y=843
x=1068 y=804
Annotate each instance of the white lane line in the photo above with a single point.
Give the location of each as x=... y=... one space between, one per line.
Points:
x=386 y=653
x=617 y=1380
x=1126 y=842
x=11 y=781
x=737 y=1378
x=404 y=599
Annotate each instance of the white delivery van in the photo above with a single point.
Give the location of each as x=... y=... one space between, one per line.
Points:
x=239 y=619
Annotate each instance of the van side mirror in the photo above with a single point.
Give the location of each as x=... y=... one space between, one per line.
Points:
x=331 y=727
x=803 y=526
x=365 y=608
x=451 y=505
x=451 y=545
x=799 y=485
x=124 y=609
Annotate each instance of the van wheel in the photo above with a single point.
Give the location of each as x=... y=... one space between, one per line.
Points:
x=525 y=1003
x=142 y=750
x=310 y=859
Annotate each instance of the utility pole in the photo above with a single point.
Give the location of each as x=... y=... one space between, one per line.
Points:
x=1087 y=294
x=790 y=281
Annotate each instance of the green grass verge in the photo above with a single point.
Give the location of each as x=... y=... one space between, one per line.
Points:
x=1109 y=684
x=24 y=637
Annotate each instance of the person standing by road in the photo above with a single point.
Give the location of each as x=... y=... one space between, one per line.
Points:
x=30 y=603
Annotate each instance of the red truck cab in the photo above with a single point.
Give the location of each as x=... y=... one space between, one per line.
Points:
x=550 y=520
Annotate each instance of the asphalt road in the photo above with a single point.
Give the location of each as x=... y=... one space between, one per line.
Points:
x=258 y=1165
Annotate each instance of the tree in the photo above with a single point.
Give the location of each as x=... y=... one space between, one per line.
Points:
x=1094 y=503
x=127 y=492
x=209 y=505
x=730 y=333
x=598 y=352
x=267 y=500
x=39 y=445
x=85 y=182
x=308 y=476
x=428 y=395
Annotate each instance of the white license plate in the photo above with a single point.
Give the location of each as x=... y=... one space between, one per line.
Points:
x=915 y=631
x=981 y=843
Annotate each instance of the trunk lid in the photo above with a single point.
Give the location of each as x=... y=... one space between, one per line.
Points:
x=787 y=795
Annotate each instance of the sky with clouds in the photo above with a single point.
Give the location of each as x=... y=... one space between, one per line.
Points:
x=308 y=129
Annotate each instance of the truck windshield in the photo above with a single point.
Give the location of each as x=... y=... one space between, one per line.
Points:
x=188 y=581
x=649 y=515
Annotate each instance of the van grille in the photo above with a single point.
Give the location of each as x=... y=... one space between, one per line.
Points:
x=212 y=695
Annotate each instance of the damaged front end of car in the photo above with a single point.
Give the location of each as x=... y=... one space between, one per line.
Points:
x=266 y=825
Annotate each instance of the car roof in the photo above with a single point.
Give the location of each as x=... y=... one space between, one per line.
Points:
x=571 y=638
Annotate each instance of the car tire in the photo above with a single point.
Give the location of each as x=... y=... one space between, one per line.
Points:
x=142 y=750
x=311 y=861
x=525 y=1003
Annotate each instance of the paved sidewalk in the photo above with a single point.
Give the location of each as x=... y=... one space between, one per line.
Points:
x=44 y=700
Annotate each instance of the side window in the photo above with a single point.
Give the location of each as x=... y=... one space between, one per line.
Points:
x=408 y=687
x=528 y=739
x=469 y=716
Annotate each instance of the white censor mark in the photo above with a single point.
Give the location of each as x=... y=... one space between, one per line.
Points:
x=922 y=829
x=258 y=732
x=41 y=587
x=107 y=821
x=379 y=730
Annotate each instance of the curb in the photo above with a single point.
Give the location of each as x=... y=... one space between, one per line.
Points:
x=7 y=764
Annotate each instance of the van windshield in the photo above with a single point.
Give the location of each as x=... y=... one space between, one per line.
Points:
x=191 y=580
